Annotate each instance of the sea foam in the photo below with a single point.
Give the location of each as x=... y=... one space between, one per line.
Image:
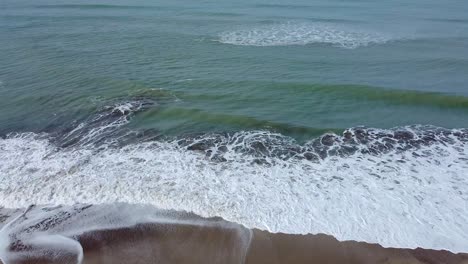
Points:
x=405 y=196
x=285 y=34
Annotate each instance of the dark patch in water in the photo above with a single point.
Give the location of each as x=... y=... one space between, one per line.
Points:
x=263 y=145
x=106 y=127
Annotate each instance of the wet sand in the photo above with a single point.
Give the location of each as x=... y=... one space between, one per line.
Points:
x=284 y=248
x=185 y=243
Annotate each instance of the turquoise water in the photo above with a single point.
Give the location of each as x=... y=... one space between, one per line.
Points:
x=300 y=68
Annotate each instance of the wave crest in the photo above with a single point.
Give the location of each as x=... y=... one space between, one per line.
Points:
x=355 y=186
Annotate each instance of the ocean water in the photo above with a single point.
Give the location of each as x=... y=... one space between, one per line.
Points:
x=348 y=118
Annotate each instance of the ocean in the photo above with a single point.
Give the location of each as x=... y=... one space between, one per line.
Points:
x=348 y=118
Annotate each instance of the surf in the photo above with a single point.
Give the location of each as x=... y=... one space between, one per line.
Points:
x=354 y=186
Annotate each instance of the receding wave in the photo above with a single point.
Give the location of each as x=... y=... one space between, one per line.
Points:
x=302 y=34
x=62 y=234
x=357 y=185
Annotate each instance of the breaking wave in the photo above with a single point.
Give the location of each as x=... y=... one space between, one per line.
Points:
x=301 y=34
x=358 y=185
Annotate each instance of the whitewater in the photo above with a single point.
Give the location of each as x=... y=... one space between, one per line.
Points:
x=404 y=187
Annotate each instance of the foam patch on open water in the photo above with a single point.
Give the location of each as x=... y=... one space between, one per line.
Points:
x=302 y=34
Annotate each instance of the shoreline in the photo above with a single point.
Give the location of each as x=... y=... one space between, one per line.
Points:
x=212 y=240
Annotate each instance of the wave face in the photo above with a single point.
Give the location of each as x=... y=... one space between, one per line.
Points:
x=362 y=185
x=301 y=34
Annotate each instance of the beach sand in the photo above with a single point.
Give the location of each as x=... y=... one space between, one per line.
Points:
x=231 y=243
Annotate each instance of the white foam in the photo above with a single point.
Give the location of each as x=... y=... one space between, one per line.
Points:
x=302 y=34
x=416 y=198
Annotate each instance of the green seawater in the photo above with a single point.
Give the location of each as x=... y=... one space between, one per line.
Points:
x=301 y=68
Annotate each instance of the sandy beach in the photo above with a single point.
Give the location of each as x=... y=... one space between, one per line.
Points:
x=217 y=241
x=187 y=244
